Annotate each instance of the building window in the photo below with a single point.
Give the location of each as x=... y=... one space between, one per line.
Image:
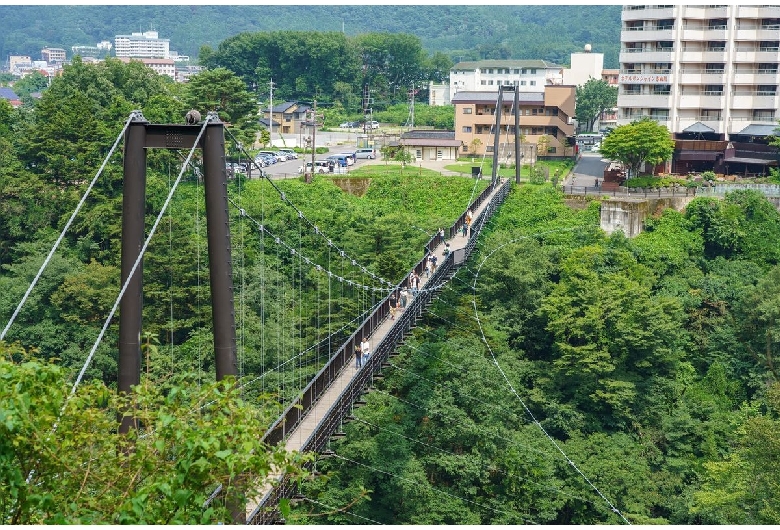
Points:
x=767 y=68
x=483 y=82
x=533 y=71
x=664 y=45
x=717 y=23
x=659 y=114
x=551 y=150
x=710 y=115
x=488 y=148
x=662 y=90
x=713 y=90
x=632 y=90
x=490 y=82
x=714 y=68
x=466 y=128
x=467 y=110
x=490 y=70
x=764 y=115
x=532 y=83
x=716 y=46
x=522 y=83
x=766 y=90
x=770 y=23
x=517 y=70
x=419 y=153
x=524 y=71
x=769 y=46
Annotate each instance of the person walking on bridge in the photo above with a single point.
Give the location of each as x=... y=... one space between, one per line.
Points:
x=358 y=357
x=365 y=347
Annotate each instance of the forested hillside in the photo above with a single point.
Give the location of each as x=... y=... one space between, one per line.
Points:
x=550 y=32
x=567 y=377
x=564 y=376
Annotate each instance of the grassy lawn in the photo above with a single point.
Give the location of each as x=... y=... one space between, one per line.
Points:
x=464 y=165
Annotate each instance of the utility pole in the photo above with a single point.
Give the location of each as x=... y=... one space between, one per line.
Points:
x=410 y=119
x=314 y=122
x=368 y=113
x=271 y=111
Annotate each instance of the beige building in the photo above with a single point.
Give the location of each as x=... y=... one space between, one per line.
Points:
x=548 y=112
x=707 y=69
x=53 y=55
x=161 y=66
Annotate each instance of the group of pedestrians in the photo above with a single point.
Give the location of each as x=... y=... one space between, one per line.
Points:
x=362 y=352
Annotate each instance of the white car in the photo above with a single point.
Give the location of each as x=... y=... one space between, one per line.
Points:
x=320 y=166
x=289 y=153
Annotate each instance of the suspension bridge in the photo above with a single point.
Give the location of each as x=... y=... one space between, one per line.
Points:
x=314 y=412
x=328 y=386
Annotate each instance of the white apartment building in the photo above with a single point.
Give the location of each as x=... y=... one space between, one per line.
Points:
x=146 y=45
x=528 y=75
x=709 y=69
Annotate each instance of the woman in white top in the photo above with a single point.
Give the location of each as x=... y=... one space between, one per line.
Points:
x=365 y=348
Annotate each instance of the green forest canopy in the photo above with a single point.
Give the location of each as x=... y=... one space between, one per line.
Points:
x=650 y=362
x=462 y=32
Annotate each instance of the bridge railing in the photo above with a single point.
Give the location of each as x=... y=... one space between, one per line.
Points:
x=363 y=379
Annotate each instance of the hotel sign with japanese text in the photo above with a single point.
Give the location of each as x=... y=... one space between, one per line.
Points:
x=645 y=79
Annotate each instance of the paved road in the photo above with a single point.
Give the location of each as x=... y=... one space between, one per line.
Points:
x=589 y=169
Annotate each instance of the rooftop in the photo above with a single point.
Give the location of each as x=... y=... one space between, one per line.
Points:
x=505 y=63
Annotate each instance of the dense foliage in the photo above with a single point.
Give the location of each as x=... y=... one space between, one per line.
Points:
x=648 y=363
x=461 y=32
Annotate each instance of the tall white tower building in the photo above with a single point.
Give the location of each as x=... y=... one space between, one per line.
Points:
x=146 y=45
x=712 y=69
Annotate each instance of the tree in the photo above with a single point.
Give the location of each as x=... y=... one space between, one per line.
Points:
x=592 y=98
x=87 y=473
x=222 y=91
x=641 y=141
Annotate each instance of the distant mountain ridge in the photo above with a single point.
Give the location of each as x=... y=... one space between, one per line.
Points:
x=550 y=32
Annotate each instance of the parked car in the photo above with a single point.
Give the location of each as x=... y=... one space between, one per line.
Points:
x=270 y=154
x=372 y=124
x=365 y=152
x=320 y=166
x=289 y=153
x=349 y=125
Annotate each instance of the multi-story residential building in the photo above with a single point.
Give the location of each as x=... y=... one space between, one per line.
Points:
x=53 y=55
x=684 y=64
x=529 y=76
x=142 y=45
x=707 y=72
x=548 y=111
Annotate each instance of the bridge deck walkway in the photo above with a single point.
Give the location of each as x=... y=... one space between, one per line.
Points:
x=298 y=437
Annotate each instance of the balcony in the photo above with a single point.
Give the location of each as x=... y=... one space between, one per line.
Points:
x=758 y=12
x=701 y=100
x=754 y=78
x=714 y=34
x=647 y=56
x=644 y=100
x=649 y=13
x=755 y=56
x=693 y=34
x=700 y=77
x=647 y=34
x=756 y=34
